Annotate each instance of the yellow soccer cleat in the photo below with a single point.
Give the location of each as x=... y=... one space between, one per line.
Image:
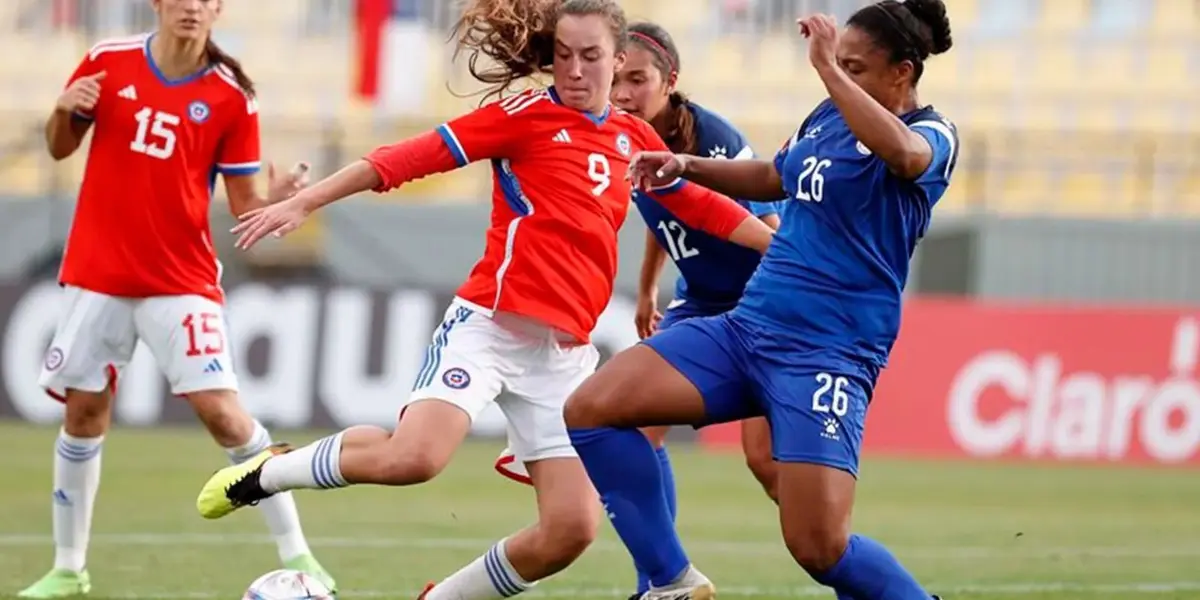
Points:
x=237 y=485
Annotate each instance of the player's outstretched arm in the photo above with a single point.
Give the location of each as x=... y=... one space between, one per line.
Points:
x=755 y=180
x=905 y=152
x=385 y=168
x=715 y=214
x=242 y=190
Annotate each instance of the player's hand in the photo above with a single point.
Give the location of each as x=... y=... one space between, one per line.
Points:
x=822 y=34
x=649 y=170
x=275 y=220
x=82 y=94
x=647 y=316
x=282 y=188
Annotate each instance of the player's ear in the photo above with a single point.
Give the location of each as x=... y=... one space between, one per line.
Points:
x=904 y=71
x=619 y=61
x=672 y=81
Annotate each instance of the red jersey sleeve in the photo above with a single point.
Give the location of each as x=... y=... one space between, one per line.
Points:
x=491 y=131
x=240 y=153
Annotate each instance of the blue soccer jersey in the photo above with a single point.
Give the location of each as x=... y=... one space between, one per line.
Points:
x=712 y=272
x=818 y=318
x=832 y=280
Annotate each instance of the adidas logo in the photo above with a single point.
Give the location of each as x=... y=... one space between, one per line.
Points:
x=128 y=92
x=562 y=136
x=61 y=499
x=214 y=367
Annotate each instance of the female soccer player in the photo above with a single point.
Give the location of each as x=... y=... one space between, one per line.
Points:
x=523 y=319
x=713 y=271
x=817 y=320
x=168 y=109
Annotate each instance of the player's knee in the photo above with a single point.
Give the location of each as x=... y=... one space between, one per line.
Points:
x=87 y=413
x=411 y=466
x=816 y=547
x=587 y=408
x=566 y=536
x=224 y=417
x=577 y=412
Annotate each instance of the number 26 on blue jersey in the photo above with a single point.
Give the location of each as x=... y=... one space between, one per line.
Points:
x=810 y=184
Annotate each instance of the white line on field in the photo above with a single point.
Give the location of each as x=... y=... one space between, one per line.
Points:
x=1023 y=548
x=802 y=591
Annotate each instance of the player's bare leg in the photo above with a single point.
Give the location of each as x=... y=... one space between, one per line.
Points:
x=635 y=388
x=814 y=513
x=428 y=433
x=756 y=445
x=243 y=437
x=426 y=438
x=76 y=481
x=568 y=515
x=815 y=503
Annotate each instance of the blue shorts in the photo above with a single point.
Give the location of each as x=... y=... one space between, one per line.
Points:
x=816 y=415
x=681 y=313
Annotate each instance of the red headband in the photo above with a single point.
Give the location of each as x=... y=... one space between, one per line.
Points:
x=658 y=49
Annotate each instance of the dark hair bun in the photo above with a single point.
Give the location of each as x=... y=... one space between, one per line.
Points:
x=933 y=14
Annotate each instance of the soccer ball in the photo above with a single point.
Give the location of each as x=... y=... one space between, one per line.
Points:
x=286 y=584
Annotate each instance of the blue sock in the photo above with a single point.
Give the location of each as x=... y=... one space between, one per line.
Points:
x=622 y=465
x=668 y=488
x=668 y=478
x=868 y=571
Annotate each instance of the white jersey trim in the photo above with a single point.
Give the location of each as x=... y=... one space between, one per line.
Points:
x=515 y=104
x=244 y=165
x=137 y=42
x=943 y=129
x=510 y=237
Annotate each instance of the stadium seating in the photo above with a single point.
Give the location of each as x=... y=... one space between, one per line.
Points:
x=1062 y=110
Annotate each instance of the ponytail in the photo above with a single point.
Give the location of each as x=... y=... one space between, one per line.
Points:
x=518 y=36
x=217 y=56
x=682 y=137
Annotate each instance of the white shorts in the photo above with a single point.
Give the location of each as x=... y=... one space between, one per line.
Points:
x=97 y=334
x=473 y=357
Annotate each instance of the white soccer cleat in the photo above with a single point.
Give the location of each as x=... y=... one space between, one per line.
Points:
x=692 y=585
x=508 y=466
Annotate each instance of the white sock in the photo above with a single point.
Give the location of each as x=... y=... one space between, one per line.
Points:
x=279 y=510
x=76 y=479
x=488 y=577
x=316 y=466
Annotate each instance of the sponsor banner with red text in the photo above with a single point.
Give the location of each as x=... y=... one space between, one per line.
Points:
x=972 y=379
x=305 y=355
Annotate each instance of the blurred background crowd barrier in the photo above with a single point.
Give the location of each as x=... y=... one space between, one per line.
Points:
x=1062 y=265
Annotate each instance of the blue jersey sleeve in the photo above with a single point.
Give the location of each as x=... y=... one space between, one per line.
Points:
x=943 y=139
x=763 y=209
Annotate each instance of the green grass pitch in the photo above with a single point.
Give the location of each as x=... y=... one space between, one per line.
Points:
x=968 y=530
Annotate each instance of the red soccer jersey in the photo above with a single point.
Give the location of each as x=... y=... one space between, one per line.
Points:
x=141 y=224
x=560 y=196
